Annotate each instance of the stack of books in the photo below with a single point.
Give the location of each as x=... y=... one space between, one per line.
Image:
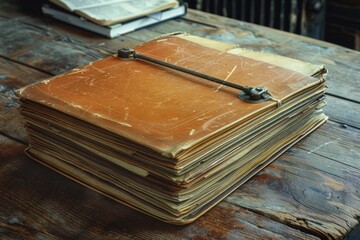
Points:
x=112 y=18
x=165 y=142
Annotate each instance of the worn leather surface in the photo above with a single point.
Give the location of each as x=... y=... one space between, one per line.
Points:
x=163 y=109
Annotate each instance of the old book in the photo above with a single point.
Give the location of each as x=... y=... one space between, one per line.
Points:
x=108 y=12
x=114 y=30
x=164 y=142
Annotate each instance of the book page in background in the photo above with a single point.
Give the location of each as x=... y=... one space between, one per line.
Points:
x=73 y=5
x=125 y=10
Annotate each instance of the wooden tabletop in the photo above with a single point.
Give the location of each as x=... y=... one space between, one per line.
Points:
x=310 y=192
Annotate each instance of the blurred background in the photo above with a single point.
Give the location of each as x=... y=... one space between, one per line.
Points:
x=336 y=21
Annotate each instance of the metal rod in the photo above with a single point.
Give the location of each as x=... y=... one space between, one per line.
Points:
x=191 y=72
x=250 y=94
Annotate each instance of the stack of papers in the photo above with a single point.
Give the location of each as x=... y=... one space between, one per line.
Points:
x=164 y=142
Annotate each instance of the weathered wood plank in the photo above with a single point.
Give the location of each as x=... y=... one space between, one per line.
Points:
x=29 y=45
x=343 y=111
x=14 y=76
x=36 y=201
x=310 y=187
x=10 y=8
x=12 y=228
x=11 y=123
x=332 y=141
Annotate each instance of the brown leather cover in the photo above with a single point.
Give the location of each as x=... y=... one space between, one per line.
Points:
x=163 y=109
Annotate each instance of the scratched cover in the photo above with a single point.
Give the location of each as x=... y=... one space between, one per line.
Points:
x=163 y=142
x=163 y=109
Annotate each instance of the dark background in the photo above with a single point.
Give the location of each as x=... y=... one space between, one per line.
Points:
x=335 y=21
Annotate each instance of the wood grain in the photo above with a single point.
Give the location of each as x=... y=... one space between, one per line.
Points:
x=25 y=44
x=12 y=77
x=343 y=111
x=11 y=123
x=310 y=187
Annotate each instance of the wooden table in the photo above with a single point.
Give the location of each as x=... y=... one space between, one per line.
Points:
x=311 y=192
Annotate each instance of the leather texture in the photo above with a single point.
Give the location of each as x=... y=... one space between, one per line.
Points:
x=163 y=109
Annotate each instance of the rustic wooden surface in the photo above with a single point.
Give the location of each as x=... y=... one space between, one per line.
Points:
x=310 y=192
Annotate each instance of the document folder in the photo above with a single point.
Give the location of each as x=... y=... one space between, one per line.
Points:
x=164 y=142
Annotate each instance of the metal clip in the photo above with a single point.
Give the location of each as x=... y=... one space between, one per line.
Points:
x=255 y=95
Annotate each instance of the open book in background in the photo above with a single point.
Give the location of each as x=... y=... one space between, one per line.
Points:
x=112 y=18
x=116 y=29
x=108 y=12
x=164 y=142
